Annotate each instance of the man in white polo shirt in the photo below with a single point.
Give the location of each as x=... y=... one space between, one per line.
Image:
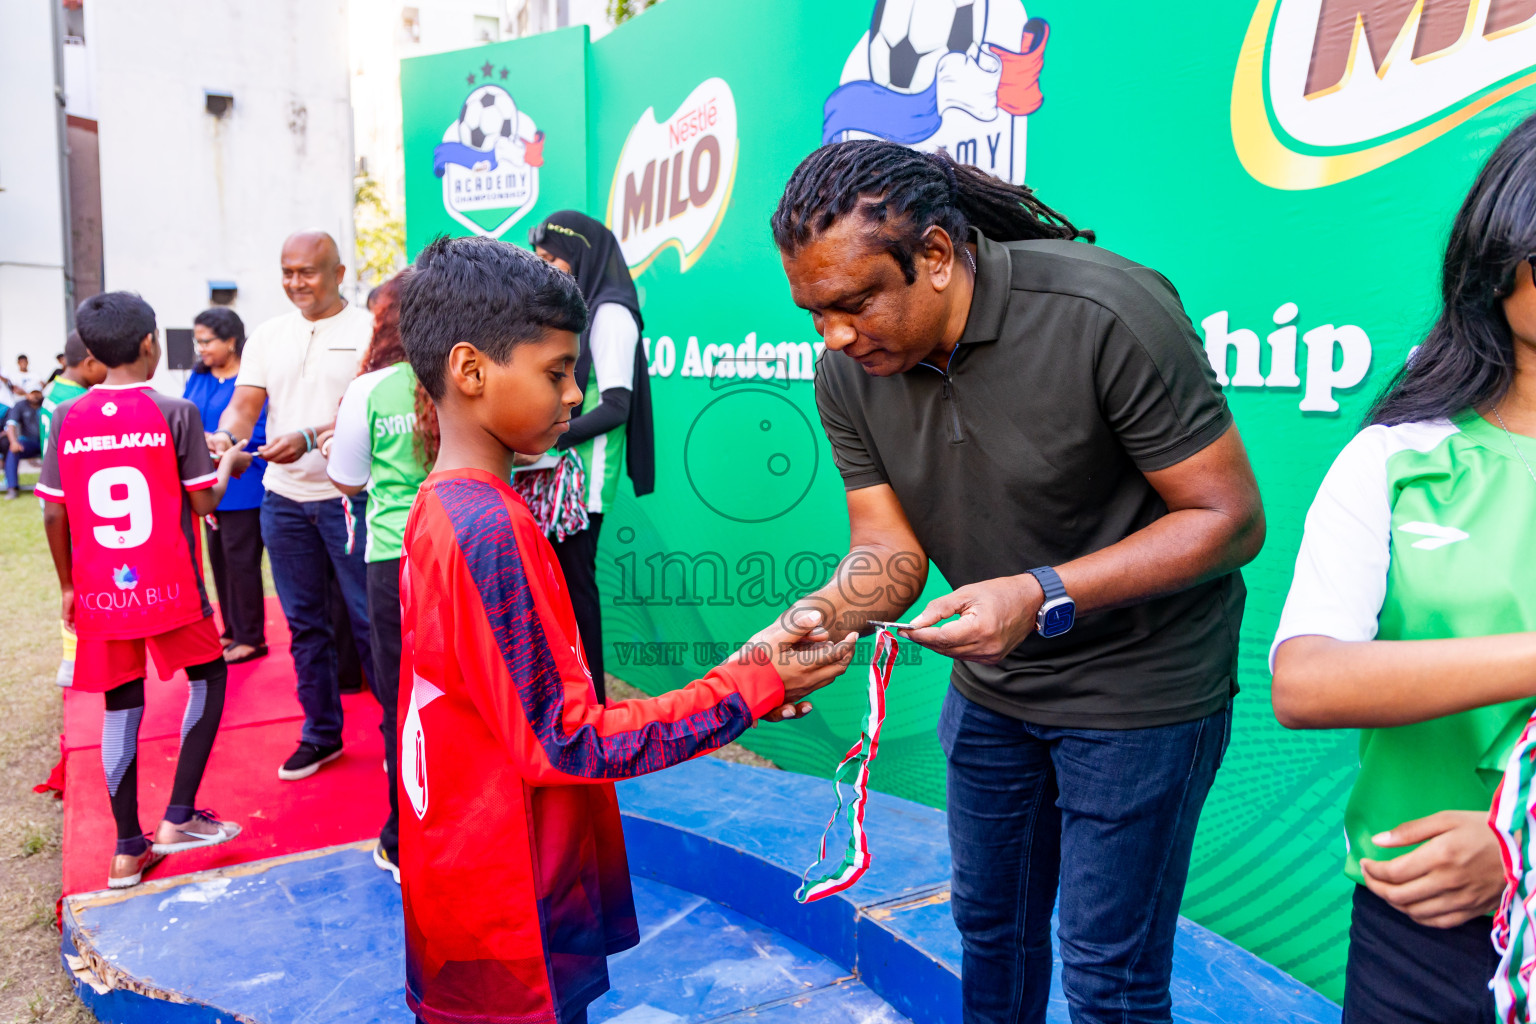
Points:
x=300 y=363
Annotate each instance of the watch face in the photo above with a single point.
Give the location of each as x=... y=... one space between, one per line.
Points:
x=1058 y=619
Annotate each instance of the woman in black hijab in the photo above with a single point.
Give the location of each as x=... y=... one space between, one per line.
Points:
x=614 y=423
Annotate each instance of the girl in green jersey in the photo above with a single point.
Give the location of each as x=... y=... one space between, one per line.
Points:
x=1412 y=617
x=385 y=440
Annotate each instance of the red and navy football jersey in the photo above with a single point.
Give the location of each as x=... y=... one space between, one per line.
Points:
x=513 y=872
x=121 y=460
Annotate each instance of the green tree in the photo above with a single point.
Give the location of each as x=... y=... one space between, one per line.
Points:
x=380 y=234
x=620 y=11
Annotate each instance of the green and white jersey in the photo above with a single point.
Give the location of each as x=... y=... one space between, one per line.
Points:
x=375 y=444
x=613 y=338
x=56 y=394
x=1421 y=531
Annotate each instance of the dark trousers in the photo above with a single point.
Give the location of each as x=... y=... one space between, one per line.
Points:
x=578 y=562
x=384 y=632
x=1110 y=815
x=302 y=538
x=30 y=449
x=1401 y=972
x=349 y=649
x=234 y=552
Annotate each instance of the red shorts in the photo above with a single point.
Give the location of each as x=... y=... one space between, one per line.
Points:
x=101 y=665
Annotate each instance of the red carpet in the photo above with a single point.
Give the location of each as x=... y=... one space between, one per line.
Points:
x=344 y=802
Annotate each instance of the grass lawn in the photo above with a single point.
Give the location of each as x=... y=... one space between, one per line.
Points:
x=33 y=986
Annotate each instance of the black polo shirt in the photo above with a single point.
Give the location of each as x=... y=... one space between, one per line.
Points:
x=1078 y=371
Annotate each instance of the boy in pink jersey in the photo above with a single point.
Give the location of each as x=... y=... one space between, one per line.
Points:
x=126 y=476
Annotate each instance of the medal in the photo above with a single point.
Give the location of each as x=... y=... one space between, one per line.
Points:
x=854 y=769
x=1514 y=926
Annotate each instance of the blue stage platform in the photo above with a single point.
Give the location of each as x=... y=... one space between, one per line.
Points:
x=716 y=851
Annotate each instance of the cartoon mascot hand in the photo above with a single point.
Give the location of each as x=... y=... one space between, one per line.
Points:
x=1019 y=91
x=533 y=152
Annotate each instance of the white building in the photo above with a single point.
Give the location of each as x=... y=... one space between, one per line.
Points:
x=33 y=243
x=195 y=136
x=223 y=127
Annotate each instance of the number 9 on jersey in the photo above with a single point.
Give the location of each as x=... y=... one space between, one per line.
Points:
x=134 y=506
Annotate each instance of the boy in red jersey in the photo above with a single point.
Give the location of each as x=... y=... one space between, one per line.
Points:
x=515 y=883
x=125 y=477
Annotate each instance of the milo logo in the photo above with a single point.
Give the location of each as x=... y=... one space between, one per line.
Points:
x=1327 y=90
x=673 y=179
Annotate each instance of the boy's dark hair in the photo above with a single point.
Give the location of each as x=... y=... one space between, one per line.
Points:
x=112 y=324
x=490 y=294
x=75 y=351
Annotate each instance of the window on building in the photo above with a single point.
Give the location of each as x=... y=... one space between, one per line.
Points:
x=410 y=17
x=74 y=22
x=487 y=28
x=562 y=13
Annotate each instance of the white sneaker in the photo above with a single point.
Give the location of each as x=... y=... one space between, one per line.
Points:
x=202 y=829
x=66 y=673
x=127 y=871
x=381 y=859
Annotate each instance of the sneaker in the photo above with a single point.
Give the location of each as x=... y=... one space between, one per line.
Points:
x=66 y=673
x=202 y=829
x=129 y=870
x=12 y=494
x=307 y=760
x=381 y=859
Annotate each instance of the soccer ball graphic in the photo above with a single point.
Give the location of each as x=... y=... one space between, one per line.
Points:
x=907 y=38
x=488 y=115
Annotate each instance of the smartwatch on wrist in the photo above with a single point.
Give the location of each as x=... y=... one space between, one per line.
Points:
x=1059 y=611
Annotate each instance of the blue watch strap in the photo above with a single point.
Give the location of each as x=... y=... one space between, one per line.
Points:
x=1050 y=582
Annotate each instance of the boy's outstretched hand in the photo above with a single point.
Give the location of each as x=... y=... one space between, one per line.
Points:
x=805 y=667
x=233 y=461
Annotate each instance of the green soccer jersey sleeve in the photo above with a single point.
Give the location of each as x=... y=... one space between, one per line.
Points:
x=56 y=394
x=375 y=444
x=1420 y=531
x=613 y=338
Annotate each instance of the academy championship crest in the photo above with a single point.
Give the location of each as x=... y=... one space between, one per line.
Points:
x=489 y=159
x=956 y=75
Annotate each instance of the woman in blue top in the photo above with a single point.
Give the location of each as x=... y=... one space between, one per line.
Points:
x=234 y=530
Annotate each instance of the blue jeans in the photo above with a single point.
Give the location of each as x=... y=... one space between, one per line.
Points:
x=29 y=450
x=1110 y=815
x=301 y=537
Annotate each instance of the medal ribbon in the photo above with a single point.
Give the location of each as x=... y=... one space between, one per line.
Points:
x=1513 y=819
x=351 y=521
x=854 y=769
x=557 y=497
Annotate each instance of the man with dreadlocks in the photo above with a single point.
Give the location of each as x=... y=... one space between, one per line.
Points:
x=1036 y=416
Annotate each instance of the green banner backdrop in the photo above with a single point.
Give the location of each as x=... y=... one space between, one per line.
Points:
x=1293 y=177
